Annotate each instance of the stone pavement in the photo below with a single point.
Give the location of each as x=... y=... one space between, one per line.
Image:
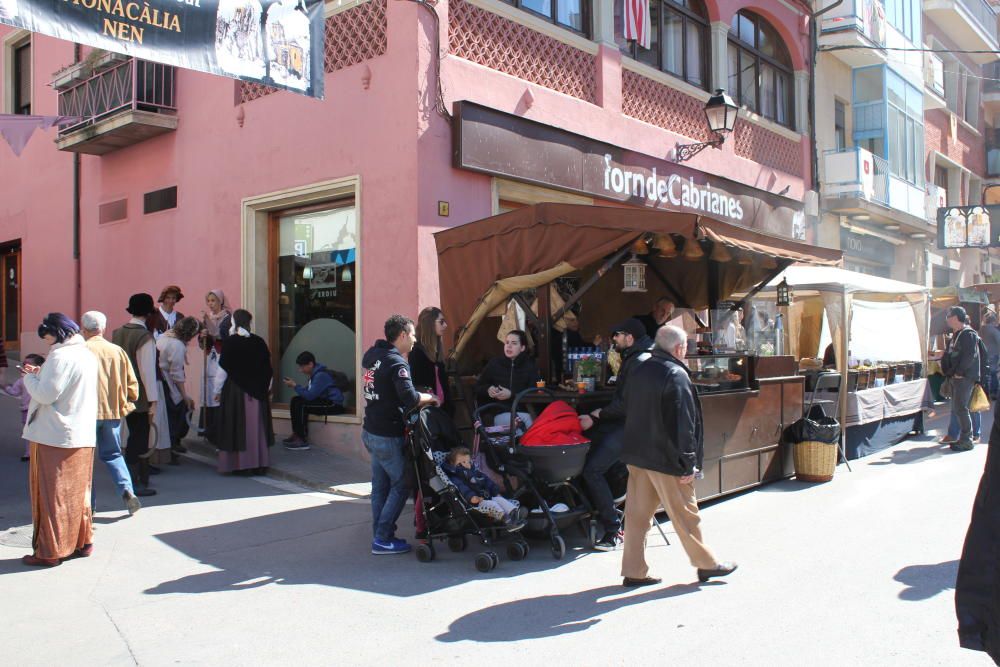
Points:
x=240 y=571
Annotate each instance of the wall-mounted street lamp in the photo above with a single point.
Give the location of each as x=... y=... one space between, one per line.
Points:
x=721 y=112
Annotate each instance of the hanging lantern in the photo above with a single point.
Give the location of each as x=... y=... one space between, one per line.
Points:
x=635 y=275
x=784 y=296
x=346 y=275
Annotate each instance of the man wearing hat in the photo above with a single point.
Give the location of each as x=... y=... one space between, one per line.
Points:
x=164 y=317
x=138 y=344
x=606 y=428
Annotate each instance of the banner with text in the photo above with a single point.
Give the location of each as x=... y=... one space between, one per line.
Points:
x=278 y=43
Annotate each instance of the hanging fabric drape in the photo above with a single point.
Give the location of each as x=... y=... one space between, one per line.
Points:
x=17 y=129
x=637 y=22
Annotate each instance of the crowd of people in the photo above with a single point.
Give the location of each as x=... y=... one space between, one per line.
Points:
x=127 y=396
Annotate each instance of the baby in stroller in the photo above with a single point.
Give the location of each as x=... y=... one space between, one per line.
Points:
x=480 y=491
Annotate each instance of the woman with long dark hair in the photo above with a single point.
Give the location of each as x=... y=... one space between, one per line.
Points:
x=245 y=429
x=426 y=359
x=62 y=430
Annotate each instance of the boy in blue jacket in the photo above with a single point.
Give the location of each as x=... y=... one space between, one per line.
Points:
x=320 y=396
x=481 y=491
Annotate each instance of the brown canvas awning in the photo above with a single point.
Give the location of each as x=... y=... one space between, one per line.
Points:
x=480 y=264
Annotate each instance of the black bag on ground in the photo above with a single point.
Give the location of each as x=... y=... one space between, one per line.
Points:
x=814 y=426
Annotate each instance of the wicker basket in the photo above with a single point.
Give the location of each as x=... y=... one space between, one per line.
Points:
x=814 y=461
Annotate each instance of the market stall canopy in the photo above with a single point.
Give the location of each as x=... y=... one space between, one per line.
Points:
x=991 y=290
x=833 y=279
x=481 y=264
x=954 y=296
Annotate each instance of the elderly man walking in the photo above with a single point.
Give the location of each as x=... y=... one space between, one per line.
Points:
x=663 y=451
x=117 y=390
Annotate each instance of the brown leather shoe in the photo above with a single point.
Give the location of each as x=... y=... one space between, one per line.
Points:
x=720 y=570
x=85 y=551
x=644 y=581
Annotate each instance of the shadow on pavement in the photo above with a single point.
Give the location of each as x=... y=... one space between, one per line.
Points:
x=926 y=581
x=913 y=455
x=330 y=545
x=552 y=615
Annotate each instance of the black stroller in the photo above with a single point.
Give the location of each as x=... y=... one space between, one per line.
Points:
x=545 y=476
x=448 y=517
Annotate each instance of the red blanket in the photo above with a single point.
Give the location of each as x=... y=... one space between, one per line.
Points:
x=557 y=425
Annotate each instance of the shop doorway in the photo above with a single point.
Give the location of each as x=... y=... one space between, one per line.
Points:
x=10 y=297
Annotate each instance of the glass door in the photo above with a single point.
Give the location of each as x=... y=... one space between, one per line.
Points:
x=12 y=299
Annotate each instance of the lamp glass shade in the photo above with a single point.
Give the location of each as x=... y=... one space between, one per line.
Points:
x=721 y=112
x=346 y=275
x=307 y=273
x=635 y=275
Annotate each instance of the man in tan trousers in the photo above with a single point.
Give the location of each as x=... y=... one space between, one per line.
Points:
x=663 y=451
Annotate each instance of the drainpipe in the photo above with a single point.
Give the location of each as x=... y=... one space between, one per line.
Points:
x=814 y=53
x=78 y=291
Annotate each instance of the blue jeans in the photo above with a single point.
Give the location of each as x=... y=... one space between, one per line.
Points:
x=109 y=450
x=390 y=483
x=977 y=425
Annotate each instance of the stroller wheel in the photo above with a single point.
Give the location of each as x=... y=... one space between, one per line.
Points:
x=484 y=562
x=558 y=547
x=457 y=543
x=516 y=551
x=425 y=552
x=493 y=557
x=594 y=537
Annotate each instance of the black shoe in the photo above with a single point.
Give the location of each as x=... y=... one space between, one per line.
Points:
x=609 y=542
x=297 y=446
x=720 y=570
x=961 y=446
x=131 y=503
x=143 y=493
x=645 y=581
x=179 y=448
x=25 y=458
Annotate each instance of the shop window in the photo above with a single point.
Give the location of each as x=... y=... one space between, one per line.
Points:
x=159 y=200
x=572 y=14
x=760 y=69
x=679 y=39
x=314 y=291
x=17 y=54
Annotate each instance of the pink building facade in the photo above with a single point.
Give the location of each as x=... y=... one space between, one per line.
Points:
x=318 y=216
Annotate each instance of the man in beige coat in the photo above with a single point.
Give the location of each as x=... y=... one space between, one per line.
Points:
x=117 y=388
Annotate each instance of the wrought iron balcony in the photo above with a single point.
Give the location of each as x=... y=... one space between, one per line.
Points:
x=129 y=102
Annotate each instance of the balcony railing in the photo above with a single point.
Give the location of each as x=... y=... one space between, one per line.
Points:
x=855 y=172
x=134 y=85
x=991 y=83
x=984 y=15
x=865 y=16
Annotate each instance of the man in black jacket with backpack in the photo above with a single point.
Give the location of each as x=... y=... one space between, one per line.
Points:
x=663 y=449
x=964 y=363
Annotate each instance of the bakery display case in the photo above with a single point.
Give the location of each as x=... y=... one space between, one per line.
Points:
x=716 y=373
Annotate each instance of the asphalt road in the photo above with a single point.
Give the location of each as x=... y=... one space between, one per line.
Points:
x=236 y=571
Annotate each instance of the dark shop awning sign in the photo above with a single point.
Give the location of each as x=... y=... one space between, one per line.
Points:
x=968 y=227
x=279 y=44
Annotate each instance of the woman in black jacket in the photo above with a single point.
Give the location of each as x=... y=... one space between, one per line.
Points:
x=504 y=377
x=427 y=357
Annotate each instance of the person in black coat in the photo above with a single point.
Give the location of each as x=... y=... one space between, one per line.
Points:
x=504 y=377
x=606 y=429
x=426 y=359
x=663 y=449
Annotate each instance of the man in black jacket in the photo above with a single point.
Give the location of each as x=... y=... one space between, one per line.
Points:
x=663 y=450
x=606 y=429
x=964 y=364
x=389 y=393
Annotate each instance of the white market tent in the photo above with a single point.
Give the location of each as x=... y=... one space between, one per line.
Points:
x=833 y=292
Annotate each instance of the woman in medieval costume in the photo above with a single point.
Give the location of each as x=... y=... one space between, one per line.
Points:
x=215 y=329
x=245 y=429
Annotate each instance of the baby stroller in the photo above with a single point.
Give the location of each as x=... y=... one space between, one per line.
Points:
x=448 y=517
x=545 y=476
